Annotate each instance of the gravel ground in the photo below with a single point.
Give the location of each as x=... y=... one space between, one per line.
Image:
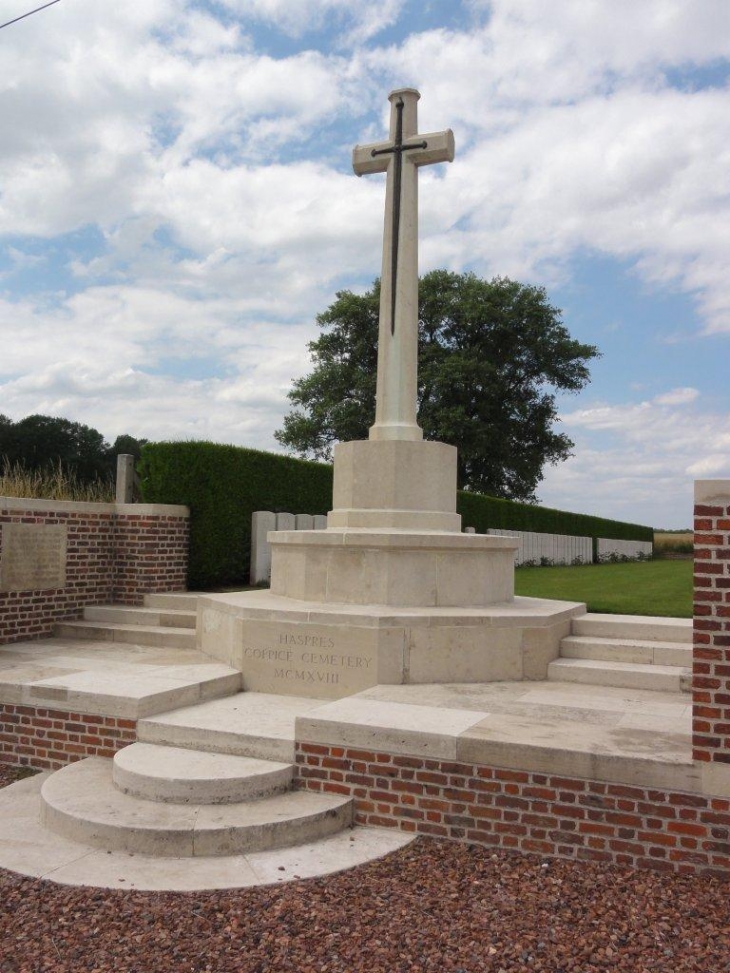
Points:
x=434 y=906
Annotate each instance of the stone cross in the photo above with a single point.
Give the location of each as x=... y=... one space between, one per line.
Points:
x=397 y=389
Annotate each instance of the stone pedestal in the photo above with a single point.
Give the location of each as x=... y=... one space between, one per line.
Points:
x=328 y=651
x=391 y=592
x=393 y=568
x=396 y=485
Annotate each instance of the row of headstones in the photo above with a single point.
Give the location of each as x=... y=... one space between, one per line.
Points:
x=552 y=548
x=534 y=548
x=565 y=549
x=262 y=521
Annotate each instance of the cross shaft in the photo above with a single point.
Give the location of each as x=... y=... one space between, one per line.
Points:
x=399 y=158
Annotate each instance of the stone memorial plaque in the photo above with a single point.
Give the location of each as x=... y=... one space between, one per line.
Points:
x=33 y=557
x=326 y=661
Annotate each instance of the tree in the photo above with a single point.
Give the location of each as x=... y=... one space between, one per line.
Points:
x=126 y=444
x=491 y=356
x=38 y=442
x=42 y=442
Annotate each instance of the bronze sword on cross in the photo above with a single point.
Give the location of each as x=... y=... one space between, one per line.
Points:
x=400 y=157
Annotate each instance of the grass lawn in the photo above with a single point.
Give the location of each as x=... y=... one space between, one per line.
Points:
x=638 y=588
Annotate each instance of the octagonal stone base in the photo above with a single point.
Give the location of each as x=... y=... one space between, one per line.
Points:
x=305 y=648
x=404 y=568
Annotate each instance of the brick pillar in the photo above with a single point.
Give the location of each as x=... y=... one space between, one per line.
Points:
x=711 y=656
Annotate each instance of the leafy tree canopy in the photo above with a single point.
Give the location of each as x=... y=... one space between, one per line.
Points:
x=39 y=442
x=492 y=354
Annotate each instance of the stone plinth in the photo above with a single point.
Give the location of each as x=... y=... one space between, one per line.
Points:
x=393 y=568
x=395 y=485
x=307 y=648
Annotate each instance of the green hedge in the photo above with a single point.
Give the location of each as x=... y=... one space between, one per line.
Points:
x=483 y=512
x=223 y=485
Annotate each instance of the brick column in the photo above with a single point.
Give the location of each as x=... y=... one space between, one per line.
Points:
x=711 y=656
x=150 y=551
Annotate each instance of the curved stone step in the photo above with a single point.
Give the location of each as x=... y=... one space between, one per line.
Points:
x=80 y=802
x=176 y=776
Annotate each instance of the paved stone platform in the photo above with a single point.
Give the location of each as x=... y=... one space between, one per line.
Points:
x=110 y=679
x=607 y=733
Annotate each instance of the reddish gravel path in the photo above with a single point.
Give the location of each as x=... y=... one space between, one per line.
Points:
x=434 y=906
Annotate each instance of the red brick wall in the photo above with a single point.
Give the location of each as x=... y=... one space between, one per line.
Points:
x=114 y=554
x=46 y=739
x=150 y=555
x=526 y=812
x=711 y=656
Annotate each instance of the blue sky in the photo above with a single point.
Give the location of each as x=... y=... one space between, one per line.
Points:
x=177 y=204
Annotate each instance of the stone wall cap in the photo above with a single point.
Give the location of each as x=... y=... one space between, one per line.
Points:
x=706 y=490
x=85 y=507
x=152 y=509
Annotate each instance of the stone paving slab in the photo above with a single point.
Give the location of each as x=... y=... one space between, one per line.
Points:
x=248 y=724
x=125 y=681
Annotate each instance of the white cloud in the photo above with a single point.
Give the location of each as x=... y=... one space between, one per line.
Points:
x=636 y=461
x=677 y=397
x=357 y=21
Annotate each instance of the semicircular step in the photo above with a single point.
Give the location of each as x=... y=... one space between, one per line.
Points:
x=177 y=776
x=80 y=802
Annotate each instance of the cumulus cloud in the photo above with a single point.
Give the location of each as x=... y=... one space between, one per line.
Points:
x=637 y=460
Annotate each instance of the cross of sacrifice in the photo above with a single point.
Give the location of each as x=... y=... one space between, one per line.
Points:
x=405 y=150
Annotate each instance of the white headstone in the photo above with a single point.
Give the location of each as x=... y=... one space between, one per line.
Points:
x=262 y=521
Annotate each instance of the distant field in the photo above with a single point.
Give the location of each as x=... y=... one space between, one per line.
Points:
x=637 y=588
x=680 y=537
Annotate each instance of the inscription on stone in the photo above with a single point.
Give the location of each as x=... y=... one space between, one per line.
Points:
x=33 y=557
x=307 y=659
x=324 y=662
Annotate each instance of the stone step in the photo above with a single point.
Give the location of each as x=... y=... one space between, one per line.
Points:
x=165 y=617
x=246 y=725
x=176 y=776
x=633 y=627
x=80 y=802
x=181 y=600
x=142 y=692
x=626 y=650
x=158 y=635
x=625 y=675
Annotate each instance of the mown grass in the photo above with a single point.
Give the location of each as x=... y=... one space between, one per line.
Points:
x=55 y=483
x=636 y=588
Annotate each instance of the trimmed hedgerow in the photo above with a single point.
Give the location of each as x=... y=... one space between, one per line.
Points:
x=482 y=512
x=222 y=486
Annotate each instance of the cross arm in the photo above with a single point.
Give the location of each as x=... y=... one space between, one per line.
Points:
x=439 y=148
x=364 y=162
